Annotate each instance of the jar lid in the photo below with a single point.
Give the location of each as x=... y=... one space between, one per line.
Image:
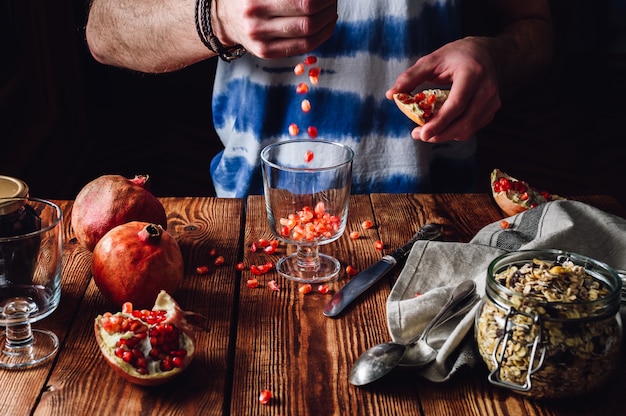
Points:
x=11 y=188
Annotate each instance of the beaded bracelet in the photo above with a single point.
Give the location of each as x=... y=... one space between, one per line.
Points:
x=205 y=32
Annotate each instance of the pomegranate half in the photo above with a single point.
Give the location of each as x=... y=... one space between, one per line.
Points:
x=133 y=262
x=111 y=200
x=146 y=347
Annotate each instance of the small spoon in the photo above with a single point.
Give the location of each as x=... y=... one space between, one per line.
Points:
x=382 y=358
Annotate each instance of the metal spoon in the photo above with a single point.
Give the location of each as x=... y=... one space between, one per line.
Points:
x=382 y=358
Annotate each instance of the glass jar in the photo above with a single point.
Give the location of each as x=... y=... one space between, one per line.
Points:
x=17 y=218
x=549 y=325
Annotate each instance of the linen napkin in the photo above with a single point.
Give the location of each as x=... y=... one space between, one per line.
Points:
x=433 y=268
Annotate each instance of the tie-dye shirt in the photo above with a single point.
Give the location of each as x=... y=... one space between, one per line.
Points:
x=255 y=101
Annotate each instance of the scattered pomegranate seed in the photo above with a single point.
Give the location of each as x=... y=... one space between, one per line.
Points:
x=254 y=269
x=302 y=88
x=253 y=247
x=299 y=69
x=219 y=260
x=312 y=132
x=202 y=269
x=310 y=60
x=323 y=289
x=305 y=288
x=418 y=294
x=293 y=129
x=378 y=245
x=263 y=242
x=252 y=283
x=351 y=270
x=355 y=235
x=273 y=285
x=270 y=249
x=305 y=105
x=308 y=156
x=367 y=224
x=213 y=252
x=265 y=396
x=240 y=266
x=504 y=224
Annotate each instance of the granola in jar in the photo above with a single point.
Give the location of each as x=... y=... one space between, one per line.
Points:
x=549 y=325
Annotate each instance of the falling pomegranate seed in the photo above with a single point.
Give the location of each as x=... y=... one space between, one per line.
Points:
x=302 y=88
x=299 y=69
x=312 y=132
x=310 y=60
x=293 y=129
x=308 y=156
x=202 y=269
x=315 y=71
x=305 y=105
x=265 y=396
x=367 y=224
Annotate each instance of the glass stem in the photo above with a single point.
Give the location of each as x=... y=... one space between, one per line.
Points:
x=19 y=336
x=308 y=259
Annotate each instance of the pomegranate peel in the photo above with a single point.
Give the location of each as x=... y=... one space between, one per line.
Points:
x=147 y=348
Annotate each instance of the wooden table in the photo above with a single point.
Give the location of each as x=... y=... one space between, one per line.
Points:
x=263 y=339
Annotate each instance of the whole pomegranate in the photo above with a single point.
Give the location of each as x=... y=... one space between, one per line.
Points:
x=134 y=261
x=111 y=200
x=146 y=347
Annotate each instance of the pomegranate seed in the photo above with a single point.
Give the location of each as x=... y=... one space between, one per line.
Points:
x=355 y=235
x=323 y=289
x=305 y=288
x=310 y=60
x=265 y=396
x=293 y=129
x=504 y=224
x=240 y=266
x=302 y=88
x=351 y=271
x=312 y=132
x=254 y=269
x=252 y=283
x=127 y=307
x=263 y=242
x=202 y=269
x=273 y=285
x=213 y=252
x=270 y=249
x=299 y=69
x=308 y=156
x=219 y=260
x=378 y=245
x=315 y=71
x=305 y=105
x=314 y=80
x=367 y=224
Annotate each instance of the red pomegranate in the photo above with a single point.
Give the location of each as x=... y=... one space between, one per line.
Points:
x=146 y=347
x=134 y=261
x=111 y=200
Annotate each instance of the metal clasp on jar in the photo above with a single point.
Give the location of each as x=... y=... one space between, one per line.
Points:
x=495 y=377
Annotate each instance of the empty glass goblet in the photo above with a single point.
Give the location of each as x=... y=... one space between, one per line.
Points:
x=31 y=238
x=307 y=190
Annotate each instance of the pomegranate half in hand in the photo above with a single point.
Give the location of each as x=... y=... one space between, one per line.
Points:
x=146 y=347
x=133 y=262
x=514 y=196
x=111 y=200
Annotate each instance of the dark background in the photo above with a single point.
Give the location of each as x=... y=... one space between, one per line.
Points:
x=65 y=119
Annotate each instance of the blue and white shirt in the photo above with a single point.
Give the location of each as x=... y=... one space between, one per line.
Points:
x=255 y=101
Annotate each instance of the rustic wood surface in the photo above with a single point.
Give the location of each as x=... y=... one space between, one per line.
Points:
x=263 y=339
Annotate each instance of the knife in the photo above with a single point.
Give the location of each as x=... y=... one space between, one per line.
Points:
x=364 y=280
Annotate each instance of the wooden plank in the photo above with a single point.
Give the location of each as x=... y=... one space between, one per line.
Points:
x=82 y=382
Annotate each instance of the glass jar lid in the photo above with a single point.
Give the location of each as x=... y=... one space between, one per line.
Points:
x=11 y=188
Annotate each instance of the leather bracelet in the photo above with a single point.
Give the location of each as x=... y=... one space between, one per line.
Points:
x=208 y=38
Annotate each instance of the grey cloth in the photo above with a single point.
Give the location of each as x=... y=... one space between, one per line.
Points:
x=433 y=268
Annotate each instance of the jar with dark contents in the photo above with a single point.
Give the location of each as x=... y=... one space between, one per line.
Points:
x=18 y=249
x=549 y=325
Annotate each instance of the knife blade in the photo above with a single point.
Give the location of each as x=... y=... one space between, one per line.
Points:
x=366 y=279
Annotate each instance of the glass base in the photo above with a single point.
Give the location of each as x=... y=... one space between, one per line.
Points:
x=291 y=268
x=43 y=347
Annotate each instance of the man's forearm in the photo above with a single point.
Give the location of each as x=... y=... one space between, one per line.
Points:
x=144 y=35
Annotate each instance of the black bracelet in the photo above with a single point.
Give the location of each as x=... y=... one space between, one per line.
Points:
x=208 y=38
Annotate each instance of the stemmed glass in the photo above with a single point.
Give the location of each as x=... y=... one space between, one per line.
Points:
x=307 y=190
x=31 y=237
